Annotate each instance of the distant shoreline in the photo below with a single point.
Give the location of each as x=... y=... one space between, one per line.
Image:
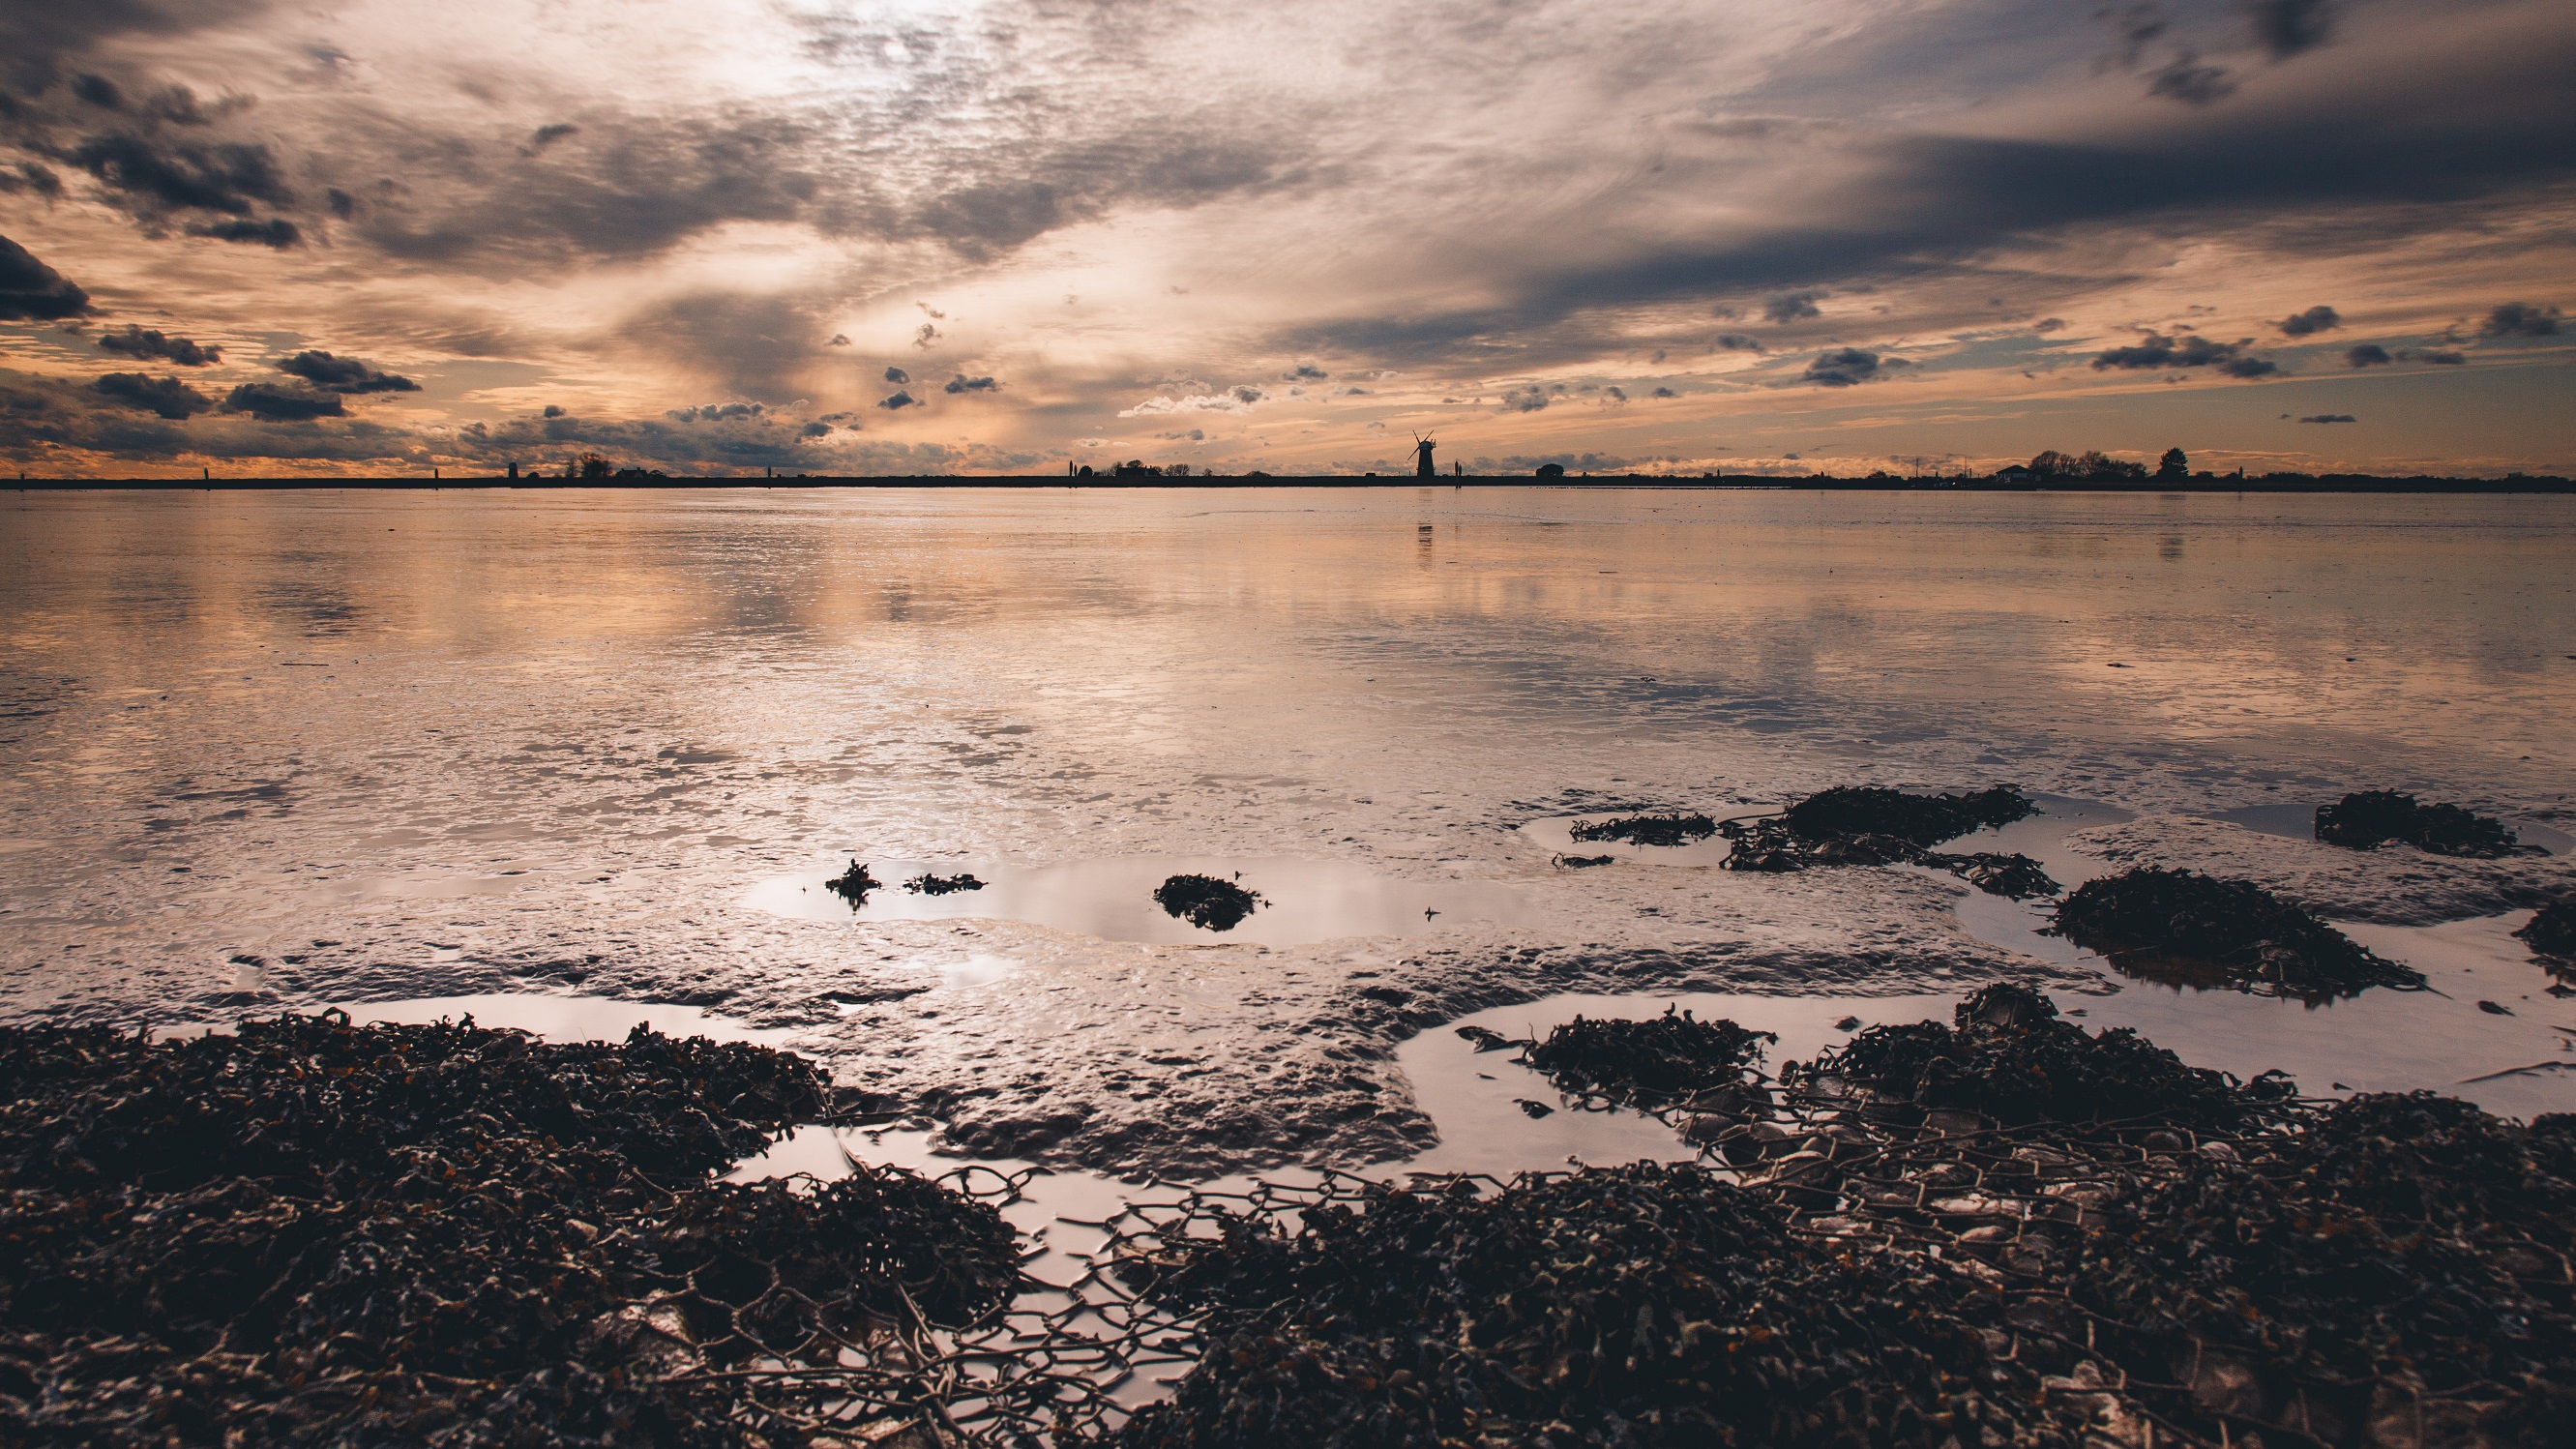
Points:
x=2273 y=483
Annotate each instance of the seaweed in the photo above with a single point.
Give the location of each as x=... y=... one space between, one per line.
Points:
x=1871 y=825
x=309 y=1232
x=853 y=885
x=926 y=884
x=2011 y=1057
x=2368 y=819
x=2403 y=1256
x=2551 y=931
x=1675 y=829
x=1206 y=902
x=1583 y=862
x=1654 y=1063
x=2178 y=925
x=1646 y=1305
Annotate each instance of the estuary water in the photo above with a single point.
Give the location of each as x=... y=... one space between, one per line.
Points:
x=266 y=750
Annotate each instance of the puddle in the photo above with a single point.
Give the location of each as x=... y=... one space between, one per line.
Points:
x=1472 y=1096
x=1303 y=901
x=1555 y=835
x=2299 y=822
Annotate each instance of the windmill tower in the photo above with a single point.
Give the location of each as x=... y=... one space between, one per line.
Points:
x=1423 y=467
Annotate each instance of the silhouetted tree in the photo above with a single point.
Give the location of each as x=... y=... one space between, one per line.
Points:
x=2173 y=466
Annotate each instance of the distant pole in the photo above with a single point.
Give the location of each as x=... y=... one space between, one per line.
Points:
x=203 y=474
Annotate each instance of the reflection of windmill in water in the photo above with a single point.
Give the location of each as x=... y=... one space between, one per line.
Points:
x=1423 y=467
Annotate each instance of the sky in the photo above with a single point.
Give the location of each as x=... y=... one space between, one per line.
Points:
x=1008 y=236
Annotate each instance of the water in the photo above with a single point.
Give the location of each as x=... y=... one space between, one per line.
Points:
x=272 y=750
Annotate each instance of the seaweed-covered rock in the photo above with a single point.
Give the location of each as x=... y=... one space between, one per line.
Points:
x=2551 y=931
x=309 y=1232
x=1871 y=825
x=1206 y=902
x=2403 y=1259
x=2182 y=926
x=853 y=885
x=1654 y=1063
x=1645 y=1305
x=2368 y=819
x=2010 y=1056
x=1673 y=829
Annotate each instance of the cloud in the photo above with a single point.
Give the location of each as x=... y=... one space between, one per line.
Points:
x=2046 y=325
x=31 y=177
x=925 y=335
x=2330 y=418
x=545 y=136
x=1613 y=394
x=749 y=344
x=137 y=343
x=1530 y=399
x=276 y=233
x=343 y=374
x=2520 y=319
x=2438 y=356
x=1663 y=392
x=2153 y=350
x=897 y=375
x=271 y=403
x=963 y=383
x=2313 y=320
x=1792 y=306
x=168 y=397
x=2192 y=83
x=1233 y=400
x=1305 y=372
x=2287 y=27
x=1843 y=367
x=2368 y=354
x=716 y=412
x=898 y=402
x=30 y=291
x=839 y=339
x=231 y=177
x=1738 y=342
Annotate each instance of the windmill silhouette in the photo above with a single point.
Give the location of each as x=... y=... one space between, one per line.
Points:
x=1423 y=467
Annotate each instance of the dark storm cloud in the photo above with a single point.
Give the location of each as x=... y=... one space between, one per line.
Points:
x=343 y=374
x=271 y=403
x=142 y=344
x=898 y=402
x=1792 y=306
x=2368 y=354
x=276 y=232
x=157 y=174
x=30 y=291
x=2156 y=351
x=2286 y=27
x=1842 y=367
x=897 y=375
x=2313 y=320
x=28 y=176
x=36 y=34
x=2330 y=418
x=963 y=383
x=2520 y=319
x=168 y=396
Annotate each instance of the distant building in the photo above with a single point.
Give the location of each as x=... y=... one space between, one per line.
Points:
x=2014 y=473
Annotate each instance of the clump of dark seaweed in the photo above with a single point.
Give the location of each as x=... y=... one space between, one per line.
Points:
x=2368 y=819
x=1658 y=1062
x=1584 y=862
x=926 y=884
x=1673 y=829
x=2198 y=930
x=1206 y=902
x=2551 y=931
x=2010 y=1056
x=854 y=884
x=1646 y=1305
x=2402 y=1262
x=1871 y=825
x=308 y=1232
x=2015 y=877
